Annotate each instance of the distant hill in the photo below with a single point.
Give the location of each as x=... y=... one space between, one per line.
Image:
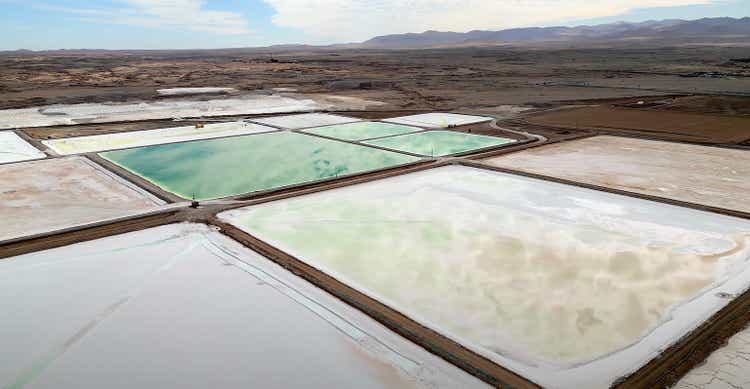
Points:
x=708 y=30
x=661 y=33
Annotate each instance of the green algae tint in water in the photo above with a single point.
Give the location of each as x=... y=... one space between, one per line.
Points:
x=362 y=130
x=218 y=168
x=439 y=143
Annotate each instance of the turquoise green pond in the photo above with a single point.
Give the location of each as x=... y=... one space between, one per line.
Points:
x=217 y=168
x=439 y=143
x=362 y=130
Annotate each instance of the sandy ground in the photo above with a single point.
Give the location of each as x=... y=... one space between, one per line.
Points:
x=697 y=174
x=493 y=81
x=714 y=105
x=56 y=132
x=53 y=194
x=407 y=79
x=694 y=127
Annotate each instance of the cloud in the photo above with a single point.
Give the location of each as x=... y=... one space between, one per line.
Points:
x=189 y=15
x=356 y=20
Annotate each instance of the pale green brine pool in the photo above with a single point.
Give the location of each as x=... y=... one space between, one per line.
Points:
x=362 y=130
x=439 y=143
x=217 y=168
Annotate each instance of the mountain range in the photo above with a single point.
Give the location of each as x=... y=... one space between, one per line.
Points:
x=654 y=33
x=662 y=32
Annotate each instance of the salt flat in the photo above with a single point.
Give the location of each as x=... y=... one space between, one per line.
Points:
x=14 y=149
x=361 y=130
x=438 y=119
x=305 y=120
x=567 y=286
x=51 y=194
x=70 y=114
x=183 y=306
x=123 y=140
x=698 y=174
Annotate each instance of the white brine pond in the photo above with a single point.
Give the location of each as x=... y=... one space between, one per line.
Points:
x=569 y=287
x=182 y=306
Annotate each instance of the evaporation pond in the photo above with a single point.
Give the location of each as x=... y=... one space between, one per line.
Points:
x=216 y=168
x=714 y=176
x=182 y=306
x=14 y=149
x=362 y=130
x=52 y=194
x=570 y=287
x=439 y=119
x=294 y=122
x=123 y=140
x=439 y=143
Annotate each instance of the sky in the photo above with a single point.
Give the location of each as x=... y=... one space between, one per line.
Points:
x=184 y=24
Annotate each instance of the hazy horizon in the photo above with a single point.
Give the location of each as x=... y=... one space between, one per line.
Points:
x=207 y=24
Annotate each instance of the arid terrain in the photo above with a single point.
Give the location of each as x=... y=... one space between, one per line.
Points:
x=477 y=78
x=691 y=80
x=549 y=104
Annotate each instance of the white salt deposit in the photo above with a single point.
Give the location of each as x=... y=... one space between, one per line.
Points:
x=52 y=194
x=712 y=176
x=569 y=287
x=194 y=91
x=122 y=140
x=438 y=120
x=53 y=115
x=295 y=122
x=14 y=149
x=182 y=306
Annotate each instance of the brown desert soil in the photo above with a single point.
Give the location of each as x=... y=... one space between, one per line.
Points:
x=434 y=79
x=57 y=132
x=480 y=80
x=612 y=91
x=713 y=105
x=671 y=125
